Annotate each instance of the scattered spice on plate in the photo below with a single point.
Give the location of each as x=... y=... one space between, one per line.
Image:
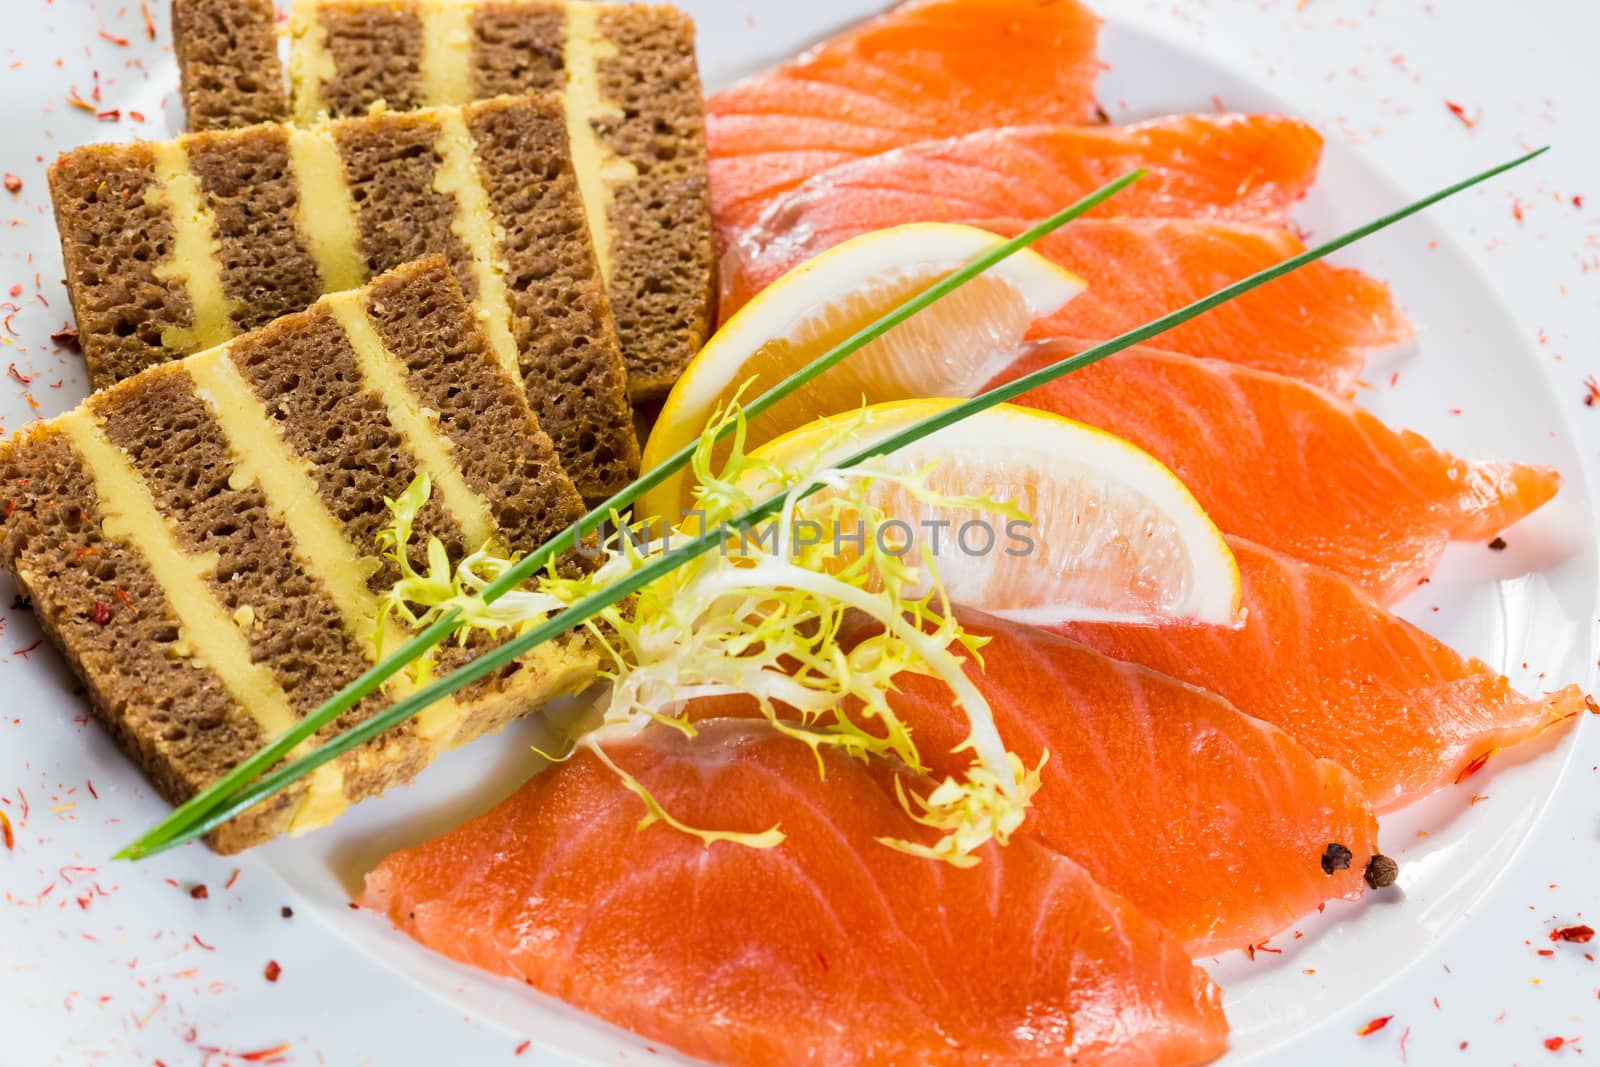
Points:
x=274 y=1054
x=6 y=833
x=1469 y=121
x=67 y=337
x=13 y=183
x=273 y=971
x=1336 y=857
x=287 y=912
x=1475 y=766
x=1498 y=544
x=1374 y=1025
x=1581 y=935
x=1591 y=394
x=1381 y=871
x=200 y=892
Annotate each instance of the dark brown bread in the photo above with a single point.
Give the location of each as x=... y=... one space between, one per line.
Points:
x=97 y=595
x=570 y=358
x=228 y=67
x=662 y=275
x=169 y=713
x=661 y=283
x=451 y=370
x=308 y=377
x=380 y=45
x=176 y=446
x=389 y=166
x=136 y=304
x=249 y=185
x=517 y=47
x=114 y=236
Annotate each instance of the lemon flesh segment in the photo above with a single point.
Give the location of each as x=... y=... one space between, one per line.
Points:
x=1111 y=535
x=951 y=348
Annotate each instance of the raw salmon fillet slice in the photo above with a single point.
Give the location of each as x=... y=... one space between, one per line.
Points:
x=1345 y=678
x=1213 y=823
x=830 y=948
x=923 y=70
x=1293 y=467
x=1247 y=168
x=1316 y=324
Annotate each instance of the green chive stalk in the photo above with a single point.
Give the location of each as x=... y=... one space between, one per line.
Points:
x=221 y=804
x=194 y=810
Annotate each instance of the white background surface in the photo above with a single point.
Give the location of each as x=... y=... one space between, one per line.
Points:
x=145 y=972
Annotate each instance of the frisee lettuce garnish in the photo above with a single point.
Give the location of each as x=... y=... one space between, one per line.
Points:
x=761 y=618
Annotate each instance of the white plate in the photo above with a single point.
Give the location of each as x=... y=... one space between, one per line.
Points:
x=1528 y=610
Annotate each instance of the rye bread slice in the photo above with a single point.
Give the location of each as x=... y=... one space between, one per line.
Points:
x=199 y=540
x=173 y=247
x=631 y=84
x=229 y=72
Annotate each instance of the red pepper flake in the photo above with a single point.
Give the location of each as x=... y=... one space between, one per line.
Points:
x=122 y=595
x=1581 y=935
x=232 y=878
x=1475 y=766
x=136 y=116
x=1403 y=1044
x=1516 y=209
x=102 y=613
x=79 y=102
x=17 y=376
x=1591 y=395
x=149 y=21
x=1469 y=121
x=1547 y=952
x=1374 y=1025
x=109 y=115
x=261 y=1054
x=522 y=1048
x=23 y=652
x=66 y=337
x=273 y=971
x=90 y=783
x=200 y=892
x=202 y=944
x=1577 y=201
x=1474 y=801
x=6 y=834
x=120 y=42
x=1556 y=1044
x=13 y=183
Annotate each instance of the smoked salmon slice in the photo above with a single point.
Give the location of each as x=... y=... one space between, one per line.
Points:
x=1293 y=467
x=1247 y=168
x=1316 y=324
x=829 y=948
x=1348 y=680
x=923 y=70
x=1213 y=823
